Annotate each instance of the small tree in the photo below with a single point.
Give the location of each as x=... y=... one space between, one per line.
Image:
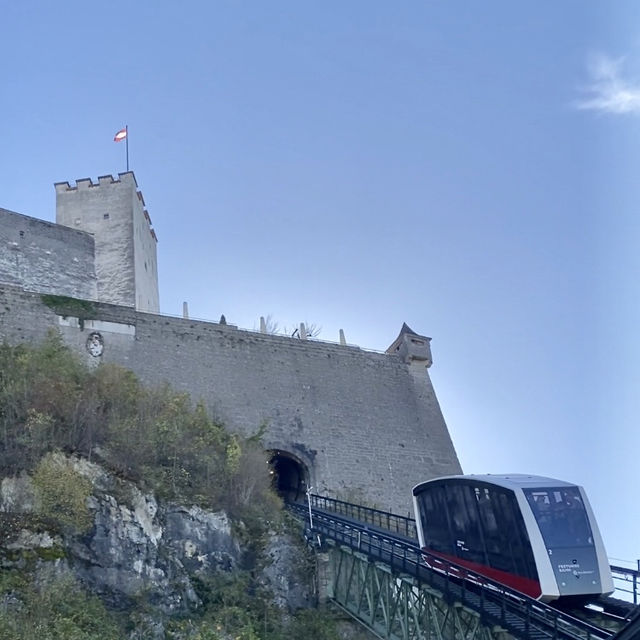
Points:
x=311 y=329
x=269 y=325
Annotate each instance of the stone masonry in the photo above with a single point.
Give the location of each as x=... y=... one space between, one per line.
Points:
x=361 y=425
x=46 y=257
x=364 y=424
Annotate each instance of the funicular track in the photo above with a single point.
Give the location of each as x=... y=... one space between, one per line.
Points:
x=381 y=578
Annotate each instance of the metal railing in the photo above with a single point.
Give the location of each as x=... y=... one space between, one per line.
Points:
x=400 y=525
x=627 y=583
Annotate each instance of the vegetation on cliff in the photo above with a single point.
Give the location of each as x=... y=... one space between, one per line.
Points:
x=50 y=402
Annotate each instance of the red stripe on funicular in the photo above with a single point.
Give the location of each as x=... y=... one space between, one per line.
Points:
x=527 y=586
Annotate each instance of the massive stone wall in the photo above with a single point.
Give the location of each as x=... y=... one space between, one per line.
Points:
x=42 y=256
x=363 y=423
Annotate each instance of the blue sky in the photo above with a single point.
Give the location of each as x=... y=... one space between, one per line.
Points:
x=468 y=168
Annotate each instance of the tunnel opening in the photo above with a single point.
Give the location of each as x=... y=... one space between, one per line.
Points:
x=289 y=476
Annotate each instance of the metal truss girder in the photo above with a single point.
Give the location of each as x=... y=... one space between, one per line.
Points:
x=398 y=607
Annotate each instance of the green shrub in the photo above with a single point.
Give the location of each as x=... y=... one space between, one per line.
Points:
x=40 y=402
x=234 y=605
x=58 y=610
x=190 y=630
x=312 y=624
x=62 y=493
x=50 y=400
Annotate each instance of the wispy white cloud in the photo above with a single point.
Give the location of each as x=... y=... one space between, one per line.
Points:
x=608 y=91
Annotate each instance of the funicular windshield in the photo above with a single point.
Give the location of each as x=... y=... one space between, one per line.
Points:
x=561 y=516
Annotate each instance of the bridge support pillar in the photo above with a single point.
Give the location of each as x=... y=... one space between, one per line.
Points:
x=324 y=571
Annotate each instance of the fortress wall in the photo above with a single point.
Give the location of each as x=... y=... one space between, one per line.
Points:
x=43 y=256
x=362 y=422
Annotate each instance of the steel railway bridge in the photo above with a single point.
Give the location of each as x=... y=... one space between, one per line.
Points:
x=373 y=569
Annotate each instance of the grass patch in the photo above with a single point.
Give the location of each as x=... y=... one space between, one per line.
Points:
x=67 y=306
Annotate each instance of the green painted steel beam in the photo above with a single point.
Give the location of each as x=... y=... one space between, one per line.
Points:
x=395 y=606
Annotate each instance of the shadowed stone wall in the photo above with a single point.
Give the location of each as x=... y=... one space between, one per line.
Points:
x=46 y=257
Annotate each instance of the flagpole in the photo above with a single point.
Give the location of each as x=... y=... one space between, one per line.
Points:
x=126 y=139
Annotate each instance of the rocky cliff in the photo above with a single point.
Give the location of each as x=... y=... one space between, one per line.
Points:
x=134 y=547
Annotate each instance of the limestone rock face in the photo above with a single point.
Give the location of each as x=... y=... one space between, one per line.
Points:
x=200 y=539
x=140 y=550
x=16 y=495
x=135 y=547
x=287 y=574
x=125 y=555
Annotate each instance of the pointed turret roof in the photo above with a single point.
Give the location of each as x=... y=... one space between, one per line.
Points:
x=406 y=330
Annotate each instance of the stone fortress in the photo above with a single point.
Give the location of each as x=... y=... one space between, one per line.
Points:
x=351 y=423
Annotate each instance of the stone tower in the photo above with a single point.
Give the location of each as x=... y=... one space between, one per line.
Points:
x=113 y=212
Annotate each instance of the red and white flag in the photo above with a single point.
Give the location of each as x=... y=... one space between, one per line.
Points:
x=121 y=135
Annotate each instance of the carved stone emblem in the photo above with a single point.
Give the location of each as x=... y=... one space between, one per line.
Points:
x=95 y=344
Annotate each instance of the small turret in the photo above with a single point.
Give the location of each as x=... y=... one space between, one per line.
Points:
x=412 y=347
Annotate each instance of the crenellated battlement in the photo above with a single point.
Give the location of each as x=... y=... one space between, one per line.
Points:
x=128 y=178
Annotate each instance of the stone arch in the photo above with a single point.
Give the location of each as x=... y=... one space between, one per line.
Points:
x=290 y=474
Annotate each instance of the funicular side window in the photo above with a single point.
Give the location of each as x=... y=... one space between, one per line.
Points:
x=465 y=525
x=494 y=535
x=433 y=516
x=518 y=540
x=505 y=536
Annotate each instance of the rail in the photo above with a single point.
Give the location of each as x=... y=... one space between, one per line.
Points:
x=522 y=616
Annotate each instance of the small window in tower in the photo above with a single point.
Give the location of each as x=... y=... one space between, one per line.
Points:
x=145 y=266
x=105 y=216
x=22 y=234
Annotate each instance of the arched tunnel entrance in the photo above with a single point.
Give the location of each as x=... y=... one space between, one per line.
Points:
x=290 y=475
